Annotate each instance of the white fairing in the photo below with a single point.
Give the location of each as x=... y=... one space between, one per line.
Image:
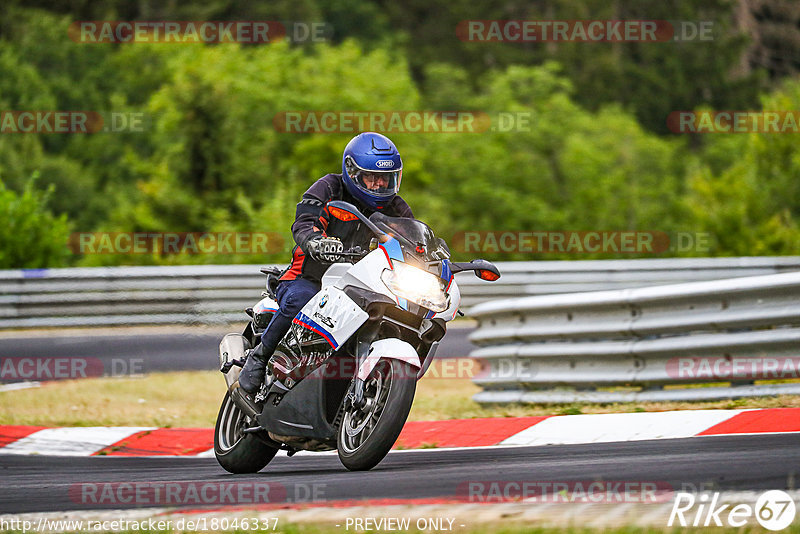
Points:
x=333 y=314
x=265 y=304
x=396 y=349
x=455 y=301
x=336 y=317
x=367 y=274
x=334 y=272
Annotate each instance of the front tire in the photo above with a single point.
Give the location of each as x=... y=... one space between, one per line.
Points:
x=237 y=452
x=366 y=435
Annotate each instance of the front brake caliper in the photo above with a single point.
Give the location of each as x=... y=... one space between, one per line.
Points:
x=356 y=395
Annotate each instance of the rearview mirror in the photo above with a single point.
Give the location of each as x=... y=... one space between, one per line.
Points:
x=485 y=270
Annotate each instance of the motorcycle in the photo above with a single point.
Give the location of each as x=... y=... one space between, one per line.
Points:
x=355 y=351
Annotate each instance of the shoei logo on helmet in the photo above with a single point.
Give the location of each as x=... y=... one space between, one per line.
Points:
x=384 y=163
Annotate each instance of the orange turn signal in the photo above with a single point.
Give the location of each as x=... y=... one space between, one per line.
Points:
x=341 y=214
x=487 y=275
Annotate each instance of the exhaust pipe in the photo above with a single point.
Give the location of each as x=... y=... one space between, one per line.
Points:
x=247 y=406
x=232 y=347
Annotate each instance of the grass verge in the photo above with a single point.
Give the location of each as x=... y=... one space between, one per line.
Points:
x=192 y=398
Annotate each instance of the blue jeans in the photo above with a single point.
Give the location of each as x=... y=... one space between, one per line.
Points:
x=292 y=296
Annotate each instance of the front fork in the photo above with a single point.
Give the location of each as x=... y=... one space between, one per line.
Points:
x=356 y=395
x=369 y=354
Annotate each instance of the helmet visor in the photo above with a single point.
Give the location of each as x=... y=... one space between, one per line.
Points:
x=372 y=182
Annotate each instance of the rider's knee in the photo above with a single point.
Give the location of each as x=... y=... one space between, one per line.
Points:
x=295 y=302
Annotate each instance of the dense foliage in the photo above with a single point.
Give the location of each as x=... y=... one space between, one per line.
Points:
x=31 y=236
x=597 y=154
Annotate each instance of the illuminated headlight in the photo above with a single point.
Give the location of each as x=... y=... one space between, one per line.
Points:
x=416 y=285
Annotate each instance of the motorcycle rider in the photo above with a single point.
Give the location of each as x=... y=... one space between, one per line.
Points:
x=370 y=179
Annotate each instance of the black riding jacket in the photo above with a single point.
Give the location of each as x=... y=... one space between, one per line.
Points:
x=313 y=219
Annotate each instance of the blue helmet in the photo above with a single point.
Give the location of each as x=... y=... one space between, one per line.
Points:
x=372 y=169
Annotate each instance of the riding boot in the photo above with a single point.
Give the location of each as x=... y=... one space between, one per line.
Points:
x=254 y=370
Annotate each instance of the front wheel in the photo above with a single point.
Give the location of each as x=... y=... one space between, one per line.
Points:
x=236 y=451
x=366 y=435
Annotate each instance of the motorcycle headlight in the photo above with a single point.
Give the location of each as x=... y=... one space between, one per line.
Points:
x=416 y=285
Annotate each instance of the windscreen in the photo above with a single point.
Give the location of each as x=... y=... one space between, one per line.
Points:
x=415 y=236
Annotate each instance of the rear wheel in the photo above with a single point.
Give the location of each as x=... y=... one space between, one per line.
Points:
x=366 y=435
x=236 y=451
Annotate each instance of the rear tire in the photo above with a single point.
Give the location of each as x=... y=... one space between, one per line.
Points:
x=237 y=452
x=366 y=436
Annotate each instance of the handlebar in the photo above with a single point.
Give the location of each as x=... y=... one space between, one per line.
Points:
x=354 y=253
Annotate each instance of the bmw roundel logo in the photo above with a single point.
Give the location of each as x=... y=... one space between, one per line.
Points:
x=384 y=163
x=323 y=301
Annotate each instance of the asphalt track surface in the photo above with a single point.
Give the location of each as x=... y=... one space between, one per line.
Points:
x=729 y=463
x=160 y=352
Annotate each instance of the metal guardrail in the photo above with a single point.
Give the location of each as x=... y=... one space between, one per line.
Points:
x=34 y=298
x=104 y=296
x=521 y=279
x=643 y=344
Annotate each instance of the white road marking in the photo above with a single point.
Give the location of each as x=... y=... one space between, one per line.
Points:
x=604 y=428
x=70 y=441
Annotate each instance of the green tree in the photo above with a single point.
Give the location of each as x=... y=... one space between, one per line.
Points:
x=220 y=160
x=30 y=235
x=752 y=204
x=567 y=169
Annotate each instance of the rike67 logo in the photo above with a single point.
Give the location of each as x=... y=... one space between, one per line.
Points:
x=774 y=510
